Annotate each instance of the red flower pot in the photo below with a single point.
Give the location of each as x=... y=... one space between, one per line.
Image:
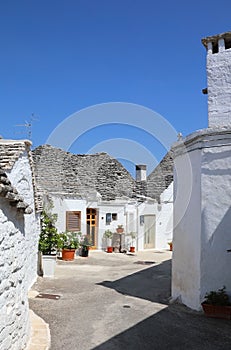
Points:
x=217 y=311
x=109 y=249
x=119 y=230
x=68 y=254
x=132 y=250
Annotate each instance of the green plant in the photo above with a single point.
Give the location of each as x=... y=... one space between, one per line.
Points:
x=120 y=226
x=49 y=237
x=86 y=241
x=108 y=234
x=69 y=240
x=133 y=236
x=219 y=297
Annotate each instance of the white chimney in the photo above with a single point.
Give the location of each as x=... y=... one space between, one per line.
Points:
x=141 y=172
x=219 y=78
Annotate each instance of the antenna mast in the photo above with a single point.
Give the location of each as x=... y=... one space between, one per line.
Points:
x=28 y=126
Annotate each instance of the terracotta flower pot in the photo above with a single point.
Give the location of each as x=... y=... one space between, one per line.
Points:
x=170 y=246
x=217 y=311
x=68 y=254
x=109 y=249
x=119 y=230
x=132 y=250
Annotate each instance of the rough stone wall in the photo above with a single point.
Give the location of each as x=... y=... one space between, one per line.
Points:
x=19 y=235
x=69 y=174
x=161 y=177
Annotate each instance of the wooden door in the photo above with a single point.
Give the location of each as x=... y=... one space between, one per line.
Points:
x=149 y=231
x=92 y=225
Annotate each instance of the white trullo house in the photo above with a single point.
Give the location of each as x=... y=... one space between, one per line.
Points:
x=202 y=211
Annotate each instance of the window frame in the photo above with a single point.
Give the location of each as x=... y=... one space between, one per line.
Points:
x=68 y=225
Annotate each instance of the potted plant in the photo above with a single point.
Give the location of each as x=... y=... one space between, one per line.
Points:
x=120 y=229
x=170 y=245
x=69 y=242
x=85 y=243
x=48 y=243
x=132 y=247
x=217 y=304
x=108 y=235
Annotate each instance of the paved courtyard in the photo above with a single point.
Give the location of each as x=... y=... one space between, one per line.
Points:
x=118 y=301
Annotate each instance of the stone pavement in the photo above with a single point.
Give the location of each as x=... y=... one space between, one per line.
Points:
x=115 y=301
x=40 y=333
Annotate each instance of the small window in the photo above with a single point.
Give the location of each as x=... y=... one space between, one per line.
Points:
x=114 y=216
x=73 y=220
x=227 y=44
x=108 y=218
x=215 y=47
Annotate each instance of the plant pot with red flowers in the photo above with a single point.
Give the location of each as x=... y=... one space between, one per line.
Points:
x=69 y=242
x=133 y=237
x=108 y=236
x=217 y=304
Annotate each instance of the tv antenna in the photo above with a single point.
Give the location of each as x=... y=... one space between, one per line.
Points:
x=28 y=126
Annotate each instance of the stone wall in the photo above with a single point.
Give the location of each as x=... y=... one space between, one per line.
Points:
x=19 y=233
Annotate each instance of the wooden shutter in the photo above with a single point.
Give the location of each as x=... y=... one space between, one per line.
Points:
x=73 y=220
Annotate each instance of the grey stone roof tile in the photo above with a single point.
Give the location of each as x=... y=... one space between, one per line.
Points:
x=10 y=151
x=58 y=171
x=161 y=177
x=11 y=194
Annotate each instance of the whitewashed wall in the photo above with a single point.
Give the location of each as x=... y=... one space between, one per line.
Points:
x=127 y=215
x=187 y=232
x=61 y=205
x=18 y=259
x=203 y=235
x=113 y=207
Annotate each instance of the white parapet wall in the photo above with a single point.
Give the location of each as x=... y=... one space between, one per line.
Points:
x=202 y=232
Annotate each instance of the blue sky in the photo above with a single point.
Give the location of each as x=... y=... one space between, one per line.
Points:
x=58 y=57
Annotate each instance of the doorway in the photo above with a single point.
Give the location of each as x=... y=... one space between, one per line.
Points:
x=92 y=226
x=149 y=231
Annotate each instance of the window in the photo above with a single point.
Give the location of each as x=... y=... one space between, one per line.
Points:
x=114 y=216
x=73 y=220
x=110 y=217
x=227 y=44
x=215 y=47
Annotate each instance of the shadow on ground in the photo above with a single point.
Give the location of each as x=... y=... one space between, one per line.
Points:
x=173 y=328
x=153 y=283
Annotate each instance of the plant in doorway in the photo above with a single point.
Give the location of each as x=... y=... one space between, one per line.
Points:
x=69 y=242
x=217 y=304
x=133 y=237
x=108 y=235
x=85 y=244
x=48 y=244
x=170 y=246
